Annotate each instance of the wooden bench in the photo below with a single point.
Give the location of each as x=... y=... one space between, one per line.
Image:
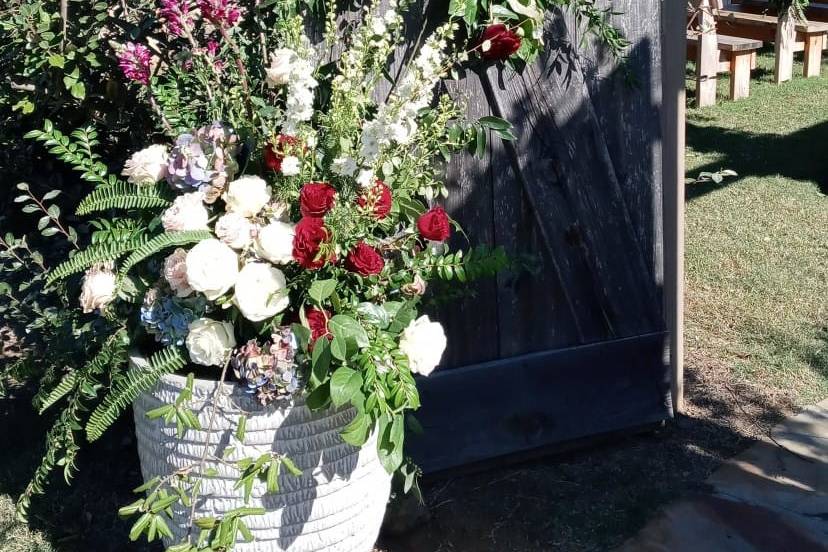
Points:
x=808 y=37
x=735 y=56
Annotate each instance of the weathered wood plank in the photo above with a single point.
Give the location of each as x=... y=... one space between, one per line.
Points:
x=503 y=407
x=785 y=38
x=739 y=75
x=558 y=134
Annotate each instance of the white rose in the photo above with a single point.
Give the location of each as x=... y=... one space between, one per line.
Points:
x=423 y=342
x=147 y=166
x=281 y=62
x=261 y=291
x=186 y=213
x=175 y=272
x=210 y=342
x=98 y=288
x=212 y=268
x=291 y=165
x=275 y=242
x=234 y=230
x=246 y=196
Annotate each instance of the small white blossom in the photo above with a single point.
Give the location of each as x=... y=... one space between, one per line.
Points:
x=186 y=213
x=291 y=165
x=281 y=60
x=344 y=166
x=423 y=342
x=246 y=196
x=365 y=178
x=234 y=230
x=98 y=288
x=210 y=341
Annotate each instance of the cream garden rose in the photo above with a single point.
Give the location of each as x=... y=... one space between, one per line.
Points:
x=212 y=268
x=210 y=342
x=261 y=291
x=275 y=242
x=246 y=196
x=186 y=213
x=98 y=288
x=234 y=230
x=147 y=166
x=423 y=342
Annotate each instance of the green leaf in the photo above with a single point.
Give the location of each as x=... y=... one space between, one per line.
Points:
x=495 y=123
x=321 y=290
x=139 y=526
x=457 y=8
x=339 y=348
x=346 y=327
x=374 y=314
x=319 y=398
x=345 y=383
x=291 y=467
x=356 y=432
x=320 y=361
x=56 y=60
x=273 y=476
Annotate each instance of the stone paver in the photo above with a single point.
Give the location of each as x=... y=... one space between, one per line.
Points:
x=771 y=498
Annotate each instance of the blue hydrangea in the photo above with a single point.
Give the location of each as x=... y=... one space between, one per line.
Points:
x=168 y=317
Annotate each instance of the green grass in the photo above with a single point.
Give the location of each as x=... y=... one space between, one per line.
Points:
x=757 y=244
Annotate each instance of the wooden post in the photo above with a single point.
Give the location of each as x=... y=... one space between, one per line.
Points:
x=673 y=54
x=707 y=57
x=739 y=75
x=785 y=38
x=813 y=54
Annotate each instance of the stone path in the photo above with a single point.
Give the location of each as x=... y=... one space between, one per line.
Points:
x=772 y=497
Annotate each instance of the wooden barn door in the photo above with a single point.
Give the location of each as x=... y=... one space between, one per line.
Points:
x=572 y=343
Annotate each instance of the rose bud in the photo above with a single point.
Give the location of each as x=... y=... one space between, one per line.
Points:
x=318 y=322
x=316 y=199
x=365 y=260
x=434 y=225
x=378 y=197
x=498 y=42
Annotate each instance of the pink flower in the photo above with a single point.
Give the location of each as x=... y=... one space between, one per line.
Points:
x=224 y=13
x=134 y=61
x=177 y=16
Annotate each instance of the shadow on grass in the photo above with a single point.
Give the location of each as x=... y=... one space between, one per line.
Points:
x=799 y=156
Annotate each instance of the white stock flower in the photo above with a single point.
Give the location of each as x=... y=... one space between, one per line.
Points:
x=299 y=101
x=378 y=26
x=278 y=73
x=365 y=178
x=423 y=342
x=261 y=291
x=175 y=272
x=147 y=166
x=246 y=196
x=291 y=165
x=343 y=166
x=210 y=342
x=275 y=242
x=98 y=288
x=186 y=213
x=234 y=230
x=212 y=268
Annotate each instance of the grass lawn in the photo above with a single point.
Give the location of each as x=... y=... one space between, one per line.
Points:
x=757 y=345
x=757 y=244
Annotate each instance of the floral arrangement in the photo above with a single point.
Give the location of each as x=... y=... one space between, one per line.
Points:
x=283 y=227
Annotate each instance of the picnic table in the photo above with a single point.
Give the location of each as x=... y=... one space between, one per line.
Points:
x=809 y=37
x=734 y=55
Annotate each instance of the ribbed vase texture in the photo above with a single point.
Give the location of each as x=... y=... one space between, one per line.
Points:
x=336 y=505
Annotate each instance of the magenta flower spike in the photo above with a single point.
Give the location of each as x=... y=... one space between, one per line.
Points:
x=223 y=13
x=177 y=16
x=134 y=61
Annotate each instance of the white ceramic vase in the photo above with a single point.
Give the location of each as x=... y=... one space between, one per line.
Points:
x=336 y=505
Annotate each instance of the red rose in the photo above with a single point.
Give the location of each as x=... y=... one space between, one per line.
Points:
x=364 y=259
x=434 y=224
x=318 y=322
x=274 y=154
x=310 y=233
x=502 y=41
x=378 y=196
x=316 y=199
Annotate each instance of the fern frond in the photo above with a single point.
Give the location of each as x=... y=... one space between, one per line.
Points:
x=160 y=243
x=126 y=389
x=63 y=388
x=123 y=195
x=94 y=254
x=61 y=446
